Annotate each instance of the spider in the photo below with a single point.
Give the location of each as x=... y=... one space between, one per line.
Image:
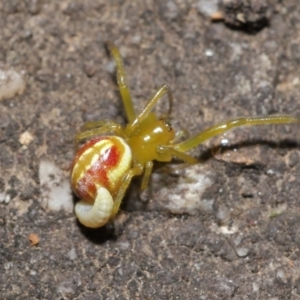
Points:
x=113 y=154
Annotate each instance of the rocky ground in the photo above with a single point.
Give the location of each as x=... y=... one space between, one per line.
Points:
x=228 y=228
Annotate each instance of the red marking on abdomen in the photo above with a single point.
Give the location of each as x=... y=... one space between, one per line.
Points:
x=97 y=174
x=89 y=144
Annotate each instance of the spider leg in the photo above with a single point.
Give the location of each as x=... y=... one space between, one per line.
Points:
x=137 y=170
x=171 y=151
x=147 y=173
x=179 y=134
x=107 y=127
x=149 y=106
x=122 y=82
x=170 y=99
x=95 y=124
x=226 y=126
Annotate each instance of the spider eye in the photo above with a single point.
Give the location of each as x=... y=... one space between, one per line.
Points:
x=167 y=124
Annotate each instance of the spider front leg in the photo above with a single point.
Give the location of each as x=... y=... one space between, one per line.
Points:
x=226 y=126
x=94 y=130
x=122 y=82
x=164 y=89
x=125 y=92
x=97 y=124
x=172 y=152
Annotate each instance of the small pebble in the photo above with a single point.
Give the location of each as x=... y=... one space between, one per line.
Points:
x=72 y=254
x=11 y=83
x=242 y=252
x=281 y=276
x=56 y=194
x=207 y=8
x=25 y=138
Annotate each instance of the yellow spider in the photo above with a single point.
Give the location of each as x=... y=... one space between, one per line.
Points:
x=113 y=154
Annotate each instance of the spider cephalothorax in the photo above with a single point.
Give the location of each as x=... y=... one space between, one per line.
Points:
x=104 y=166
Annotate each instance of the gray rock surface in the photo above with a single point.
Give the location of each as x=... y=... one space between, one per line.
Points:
x=243 y=241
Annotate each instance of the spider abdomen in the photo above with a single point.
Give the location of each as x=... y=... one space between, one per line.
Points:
x=97 y=173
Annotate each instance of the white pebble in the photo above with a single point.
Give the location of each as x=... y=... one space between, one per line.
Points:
x=2 y=197
x=242 y=252
x=209 y=52
x=72 y=254
x=7 y=198
x=11 y=83
x=25 y=138
x=281 y=276
x=186 y=196
x=207 y=8
x=55 y=188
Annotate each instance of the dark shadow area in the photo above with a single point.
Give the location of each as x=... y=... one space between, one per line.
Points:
x=98 y=235
x=249 y=17
x=250 y=28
